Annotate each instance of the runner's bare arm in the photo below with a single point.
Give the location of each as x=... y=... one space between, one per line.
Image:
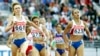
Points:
x=46 y=32
x=28 y=30
x=31 y=23
x=87 y=30
x=10 y=38
x=10 y=24
x=66 y=30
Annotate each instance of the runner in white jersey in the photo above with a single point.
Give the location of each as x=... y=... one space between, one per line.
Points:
x=48 y=34
x=38 y=38
x=76 y=29
x=18 y=22
x=60 y=44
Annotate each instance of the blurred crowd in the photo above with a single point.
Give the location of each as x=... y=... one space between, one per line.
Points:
x=54 y=11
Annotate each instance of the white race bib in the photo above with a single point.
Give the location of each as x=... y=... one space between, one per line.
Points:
x=78 y=31
x=35 y=33
x=20 y=27
x=59 y=40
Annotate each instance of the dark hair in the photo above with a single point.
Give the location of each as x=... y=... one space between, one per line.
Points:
x=34 y=18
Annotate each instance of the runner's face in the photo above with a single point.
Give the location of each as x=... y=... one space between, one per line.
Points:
x=17 y=9
x=36 y=21
x=58 y=28
x=76 y=14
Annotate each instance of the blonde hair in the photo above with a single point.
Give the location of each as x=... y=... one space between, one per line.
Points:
x=13 y=4
x=43 y=20
x=74 y=10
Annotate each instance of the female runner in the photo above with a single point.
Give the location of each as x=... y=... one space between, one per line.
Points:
x=60 y=45
x=39 y=38
x=18 y=23
x=76 y=28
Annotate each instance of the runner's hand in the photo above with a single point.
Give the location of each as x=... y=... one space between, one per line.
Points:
x=67 y=49
x=13 y=23
x=91 y=39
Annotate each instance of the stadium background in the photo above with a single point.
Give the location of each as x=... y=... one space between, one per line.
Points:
x=55 y=11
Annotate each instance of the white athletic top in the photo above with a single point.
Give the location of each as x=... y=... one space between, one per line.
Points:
x=36 y=33
x=77 y=29
x=20 y=24
x=58 y=38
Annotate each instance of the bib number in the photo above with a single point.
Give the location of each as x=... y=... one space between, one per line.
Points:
x=37 y=35
x=19 y=28
x=78 y=31
x=59 y=40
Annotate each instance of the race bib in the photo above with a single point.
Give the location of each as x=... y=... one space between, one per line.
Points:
x=35 y=34
x=59 y=40
x=78 y=31
x=20 y=27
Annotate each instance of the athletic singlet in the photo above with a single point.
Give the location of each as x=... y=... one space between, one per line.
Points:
x=20 y=25
x=77 y=29
x=58 y=38
x=35 y=33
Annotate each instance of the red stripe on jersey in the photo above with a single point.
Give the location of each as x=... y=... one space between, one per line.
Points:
x=72 y=30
